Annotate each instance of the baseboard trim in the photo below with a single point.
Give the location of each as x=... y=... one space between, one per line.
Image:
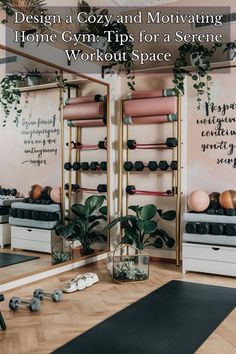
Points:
x=49 y=273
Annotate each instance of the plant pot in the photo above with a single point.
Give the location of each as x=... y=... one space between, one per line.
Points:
x=33 y=80
x=19 y=83
x=86 y=252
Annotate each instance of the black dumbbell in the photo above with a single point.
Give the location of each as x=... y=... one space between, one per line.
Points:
x=20 y=213
x=174 y=165
x=170 y=143
x=44 y=216
x=55 y=296
x=76 y=166
x=191 y=227
x=102 y=188
x=28 y=214
x=130 y=189
x=139 y=166
x=203 y=228
x=84 y=166
x=128 y=166
x=230 y=229
x=13 y=212
x=67 y=166
x=94 y=166
x=35 y=215
x=163 y=165
x=103 y=165
x=217 y=229
x=230 y=212
x=220 y=211
x=211 y=211
x=102 y=145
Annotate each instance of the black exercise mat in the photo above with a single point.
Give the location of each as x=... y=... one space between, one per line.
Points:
x=174 y=319
x=7 y=259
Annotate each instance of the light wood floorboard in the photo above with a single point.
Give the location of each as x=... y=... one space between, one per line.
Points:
x=57 y=323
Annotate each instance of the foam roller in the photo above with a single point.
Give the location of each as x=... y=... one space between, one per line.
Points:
x=88 y=123
x=150 y=107
x=129 y=120
x=84 y=99
x=152 y=94
x=84 y=111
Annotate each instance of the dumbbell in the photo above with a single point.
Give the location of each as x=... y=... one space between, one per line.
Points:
x=169 y=143
x=77 y=145
x=28 y=214
x=35 y=215
x=67 y=166
x=230 y=212
x=203 y=228
x=163 y=165
x=55 y=296
x=139 y=166
x=103 y=165
x=191 y=227
x=4 y=210
x=101 y=188
x=12 y=192
x=217 y=229
x=76 y=166
x=96 y=166
x=32 y=305
x=20 y=214
x=230 y=229
x=48 y=216
x=174 y=165
x=132 y=190
x=2 y=322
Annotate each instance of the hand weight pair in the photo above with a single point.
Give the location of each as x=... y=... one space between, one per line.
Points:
x=152 y=166
x=170 y=143
x=8 y=192
x=210 y=228
x=34 y=214
x=101 y=188
x=85 y=166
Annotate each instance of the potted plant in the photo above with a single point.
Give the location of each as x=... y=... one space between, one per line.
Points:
x=84 y=225
x=198 y=56
x=33 y=77
x=10 y=99
x=231 y=48
x=113 y=45
x=141 y=229
x=17 y=78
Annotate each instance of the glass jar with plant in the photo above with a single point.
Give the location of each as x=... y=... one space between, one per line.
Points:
x=84 y=224
x=142 y=228
x=114 y=46
x=198 y=56
x=10 y=99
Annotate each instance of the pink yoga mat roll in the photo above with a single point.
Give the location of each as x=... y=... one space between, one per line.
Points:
x=150 y=107
x=85 y=99
x=150 y=120
x=152 y=94
x=84 y=111
x=87 y=123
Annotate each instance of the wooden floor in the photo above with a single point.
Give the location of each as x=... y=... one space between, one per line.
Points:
x=57 y=323
x=24 y=268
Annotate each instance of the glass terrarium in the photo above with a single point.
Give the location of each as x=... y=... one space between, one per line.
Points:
x=128 y=264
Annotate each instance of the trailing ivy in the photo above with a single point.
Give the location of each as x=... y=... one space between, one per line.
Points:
x=10 y=99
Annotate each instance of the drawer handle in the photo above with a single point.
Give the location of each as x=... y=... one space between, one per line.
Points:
x=215 y=248
x=29 y=230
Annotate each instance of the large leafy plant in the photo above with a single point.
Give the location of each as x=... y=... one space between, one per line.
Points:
x=142 y=228
x=83 y=226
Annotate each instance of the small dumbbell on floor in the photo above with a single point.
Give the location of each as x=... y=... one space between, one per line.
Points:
x=55 y=296
x=16 y=303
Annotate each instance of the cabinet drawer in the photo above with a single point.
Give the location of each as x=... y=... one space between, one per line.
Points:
x=31 y=234
x=31 y=245
x=205 y=266
x=209 y=252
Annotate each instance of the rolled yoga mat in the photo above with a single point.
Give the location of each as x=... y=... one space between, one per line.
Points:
x=84 y=111
x=152 y=94
x=150 y=120
x=150 y=107
x=87 y=123
x=85 y=99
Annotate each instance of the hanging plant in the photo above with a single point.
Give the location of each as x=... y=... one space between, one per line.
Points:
x=10 y=99
x=231 y=48
x=28 y=7
x=113 y=45
x=199 y=57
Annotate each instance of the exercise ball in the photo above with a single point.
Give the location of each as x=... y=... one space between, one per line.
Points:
x=35 y=191
x=228 y=199
x=56 y=195
x=198 y=201
x=214 y=200
x=46 y=192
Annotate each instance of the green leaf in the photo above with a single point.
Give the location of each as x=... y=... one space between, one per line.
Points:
x=79 y=210
x=93 y=225
x=148 y=212
x=194 y=77
x=66 y=230
x=127 y=239
x=103 y=210
x=169 y=215
x=150 y=226
x=94 y=202
x=134 y=208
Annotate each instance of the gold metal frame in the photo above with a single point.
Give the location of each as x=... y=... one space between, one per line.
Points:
x=176 y=175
